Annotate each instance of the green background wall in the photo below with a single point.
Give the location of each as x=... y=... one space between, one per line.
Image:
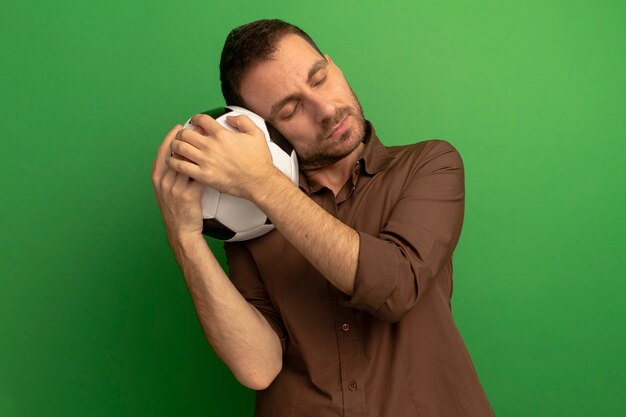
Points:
x=95 y=317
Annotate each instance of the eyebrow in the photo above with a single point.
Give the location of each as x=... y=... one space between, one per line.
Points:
x=322 y=63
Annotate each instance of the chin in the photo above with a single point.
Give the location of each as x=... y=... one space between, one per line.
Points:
x=347 y=143
x=328 y=154
x=355 y=135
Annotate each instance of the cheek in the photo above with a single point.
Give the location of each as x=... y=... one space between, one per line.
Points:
x=340 y=87
x=296 y=135
x=302 y=127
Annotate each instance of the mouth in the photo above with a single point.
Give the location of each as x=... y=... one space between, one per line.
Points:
x=339 y=129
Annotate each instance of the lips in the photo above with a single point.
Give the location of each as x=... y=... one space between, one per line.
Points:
x=339 y=129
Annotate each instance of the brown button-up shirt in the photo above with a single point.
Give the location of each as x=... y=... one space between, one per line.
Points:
x=392 y=348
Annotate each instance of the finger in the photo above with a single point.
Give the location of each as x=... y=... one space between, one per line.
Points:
x=169 y=175
x=179 y=156
x=181 y=167
x=196 y=187
x=181 y=182
x=163 y=152
x=195 y=128
x=182 y=149
x=195 y=139
x=207 y=123
x=244 y=124
x=188 y=189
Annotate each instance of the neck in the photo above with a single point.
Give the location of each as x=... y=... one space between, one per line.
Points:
x=334 y=176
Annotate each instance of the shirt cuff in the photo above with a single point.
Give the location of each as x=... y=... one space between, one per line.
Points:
x=377 y=273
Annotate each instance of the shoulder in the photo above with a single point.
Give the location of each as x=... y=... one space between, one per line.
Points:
x=426 y=155
x=427 y=147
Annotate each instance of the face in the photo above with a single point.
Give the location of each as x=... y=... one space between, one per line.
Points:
x=306 y=97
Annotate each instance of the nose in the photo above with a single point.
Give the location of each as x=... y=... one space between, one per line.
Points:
x=323 y=106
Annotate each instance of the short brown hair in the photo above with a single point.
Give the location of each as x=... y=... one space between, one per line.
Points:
x=248 y=44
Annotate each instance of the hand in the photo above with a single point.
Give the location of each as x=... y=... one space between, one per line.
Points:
x=177 y=195
x=231 y=162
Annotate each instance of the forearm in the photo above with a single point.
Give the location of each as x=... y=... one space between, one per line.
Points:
x=330 y=245
x=238 y=333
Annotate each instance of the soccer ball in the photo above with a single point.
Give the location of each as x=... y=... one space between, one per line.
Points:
x=230 y=218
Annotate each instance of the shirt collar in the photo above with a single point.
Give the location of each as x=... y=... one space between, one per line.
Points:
x=375 y=156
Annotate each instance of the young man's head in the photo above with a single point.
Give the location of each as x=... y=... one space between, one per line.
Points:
x=274 y=69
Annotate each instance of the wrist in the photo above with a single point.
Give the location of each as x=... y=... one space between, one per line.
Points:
x=186 y=240
x=268 y=186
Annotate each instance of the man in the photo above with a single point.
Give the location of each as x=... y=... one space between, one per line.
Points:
x=343 y=309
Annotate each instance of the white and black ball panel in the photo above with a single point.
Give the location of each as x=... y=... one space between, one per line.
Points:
x=281 y=160
x=216 y=230
x=218 y=112
x=209 y=201
x=276 y=137
x=252 y=233
x=215 y=113
x=238 y=214
x=230 y=218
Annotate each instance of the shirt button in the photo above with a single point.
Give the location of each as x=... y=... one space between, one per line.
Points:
x=345 y=327
x=352 y=386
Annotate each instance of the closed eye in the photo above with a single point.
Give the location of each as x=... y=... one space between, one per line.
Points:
x=320 y=82
x=293 y=112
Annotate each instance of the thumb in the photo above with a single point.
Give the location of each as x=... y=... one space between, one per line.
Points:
x=244 y=124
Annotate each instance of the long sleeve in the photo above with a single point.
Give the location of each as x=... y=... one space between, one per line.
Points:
x=390 y=347
x=398 y=265
x=245 y=277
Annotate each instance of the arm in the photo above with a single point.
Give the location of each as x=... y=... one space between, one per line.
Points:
x=398 y=265
x=240 y=164
x=383 y=274
x=237 y=331
x=240 y=335
x=331 y=246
